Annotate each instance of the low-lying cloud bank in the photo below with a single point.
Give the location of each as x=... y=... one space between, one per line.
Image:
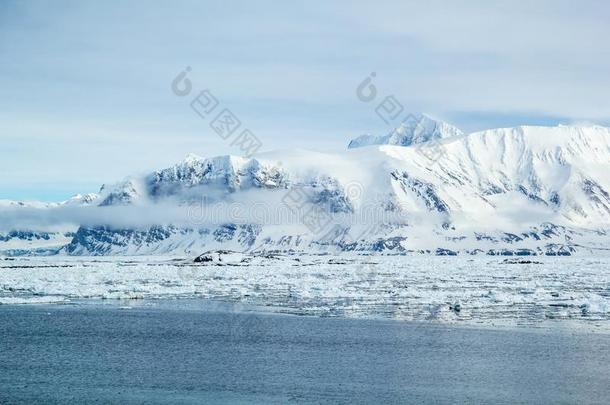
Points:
x=197 y=214
x=268 y=212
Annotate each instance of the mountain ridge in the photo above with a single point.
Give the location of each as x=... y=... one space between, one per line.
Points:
x=546 y=187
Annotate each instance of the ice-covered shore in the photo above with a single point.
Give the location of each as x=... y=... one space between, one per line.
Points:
x=470 y=290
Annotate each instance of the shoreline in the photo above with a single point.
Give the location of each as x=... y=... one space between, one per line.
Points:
x=218 y=306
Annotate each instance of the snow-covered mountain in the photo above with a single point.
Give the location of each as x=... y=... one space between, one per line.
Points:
x=415 y=129
x=78 y=199
x=39 y=241
x=524 y=190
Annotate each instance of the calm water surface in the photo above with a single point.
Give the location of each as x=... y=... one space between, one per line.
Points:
x=166 y=354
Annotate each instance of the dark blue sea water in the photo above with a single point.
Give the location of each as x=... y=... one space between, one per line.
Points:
x=166 y=354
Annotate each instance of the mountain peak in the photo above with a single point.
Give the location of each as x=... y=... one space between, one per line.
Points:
x=415 y=129
x=192 y=158
x=81 y=199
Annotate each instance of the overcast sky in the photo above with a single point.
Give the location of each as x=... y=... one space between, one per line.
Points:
x=85 y=85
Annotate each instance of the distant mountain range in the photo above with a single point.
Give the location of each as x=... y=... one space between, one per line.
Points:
x=425 y=187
